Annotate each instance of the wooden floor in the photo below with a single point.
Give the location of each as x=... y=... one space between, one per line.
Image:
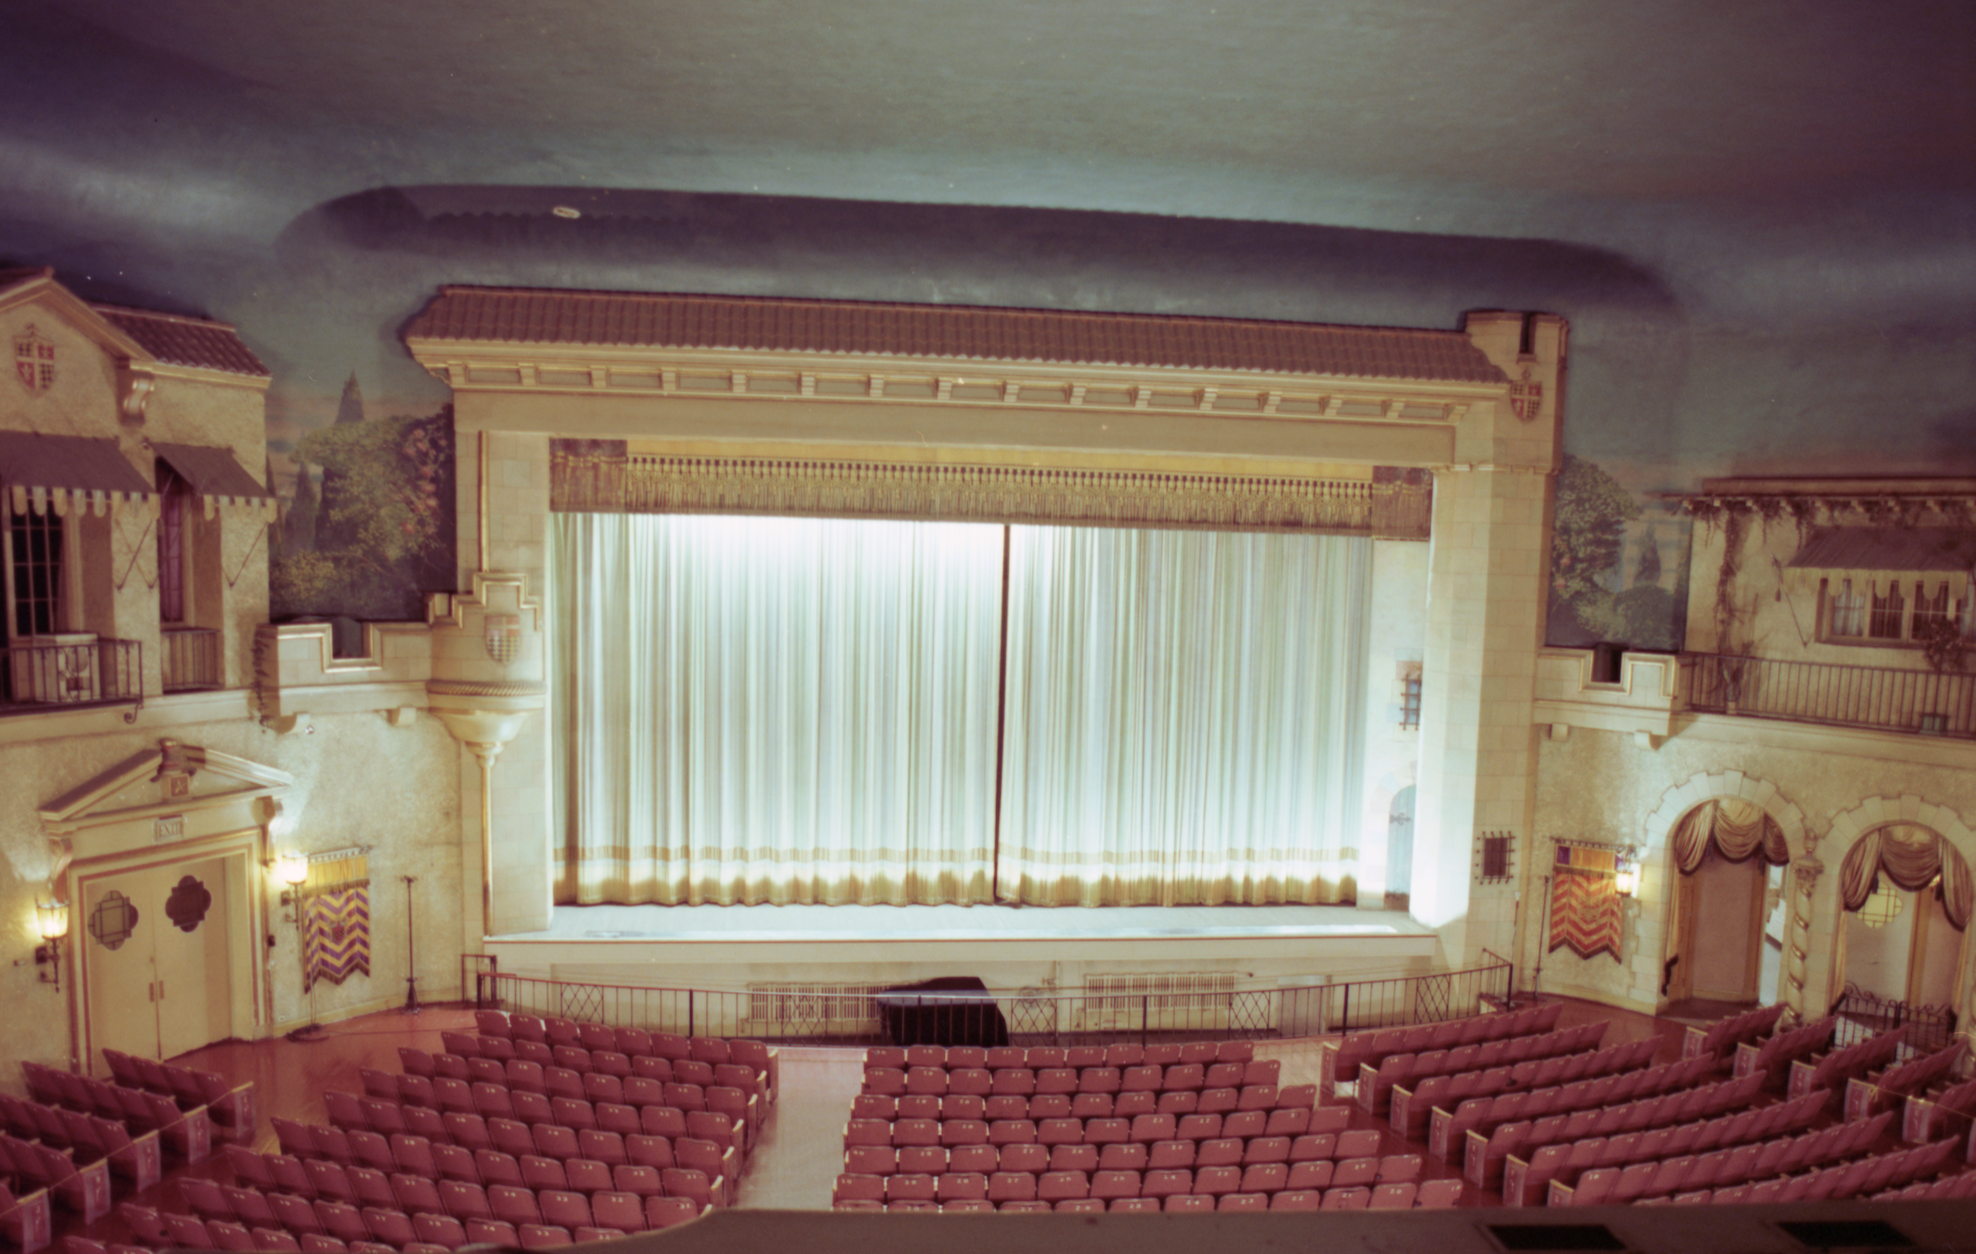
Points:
x=801 y=1150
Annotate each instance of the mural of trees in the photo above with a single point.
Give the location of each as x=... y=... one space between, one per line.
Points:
x=380 y=534
x=1590 y=600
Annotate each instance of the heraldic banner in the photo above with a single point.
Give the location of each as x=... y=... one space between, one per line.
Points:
x=336 y=919
x=1585 y=915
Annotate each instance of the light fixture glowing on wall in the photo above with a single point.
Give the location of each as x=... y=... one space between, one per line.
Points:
x=1625 y=875
x=52 y=924
x=292 y=869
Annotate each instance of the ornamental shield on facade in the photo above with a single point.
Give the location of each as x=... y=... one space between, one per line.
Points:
x=502 y=635
x=1526 y=397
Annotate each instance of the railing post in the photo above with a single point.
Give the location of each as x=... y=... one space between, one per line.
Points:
x=1145 y=1002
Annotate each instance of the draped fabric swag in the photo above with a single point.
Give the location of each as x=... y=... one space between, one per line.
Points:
x=1184 y=716
x=761 y=710
x=776 y=710
x=1910 y=856
x=1739 y=830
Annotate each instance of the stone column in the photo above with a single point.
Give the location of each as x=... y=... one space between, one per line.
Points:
x=1487 y=579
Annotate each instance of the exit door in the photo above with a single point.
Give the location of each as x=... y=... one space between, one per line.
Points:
x=159 y=974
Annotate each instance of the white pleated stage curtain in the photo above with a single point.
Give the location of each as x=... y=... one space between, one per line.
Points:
x=1184 y=717
x=774 y=710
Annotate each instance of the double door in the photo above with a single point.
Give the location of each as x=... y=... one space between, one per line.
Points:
x=155 y=940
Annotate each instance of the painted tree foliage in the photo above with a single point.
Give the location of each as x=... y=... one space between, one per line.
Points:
x=383 y=533
x=1588 y=537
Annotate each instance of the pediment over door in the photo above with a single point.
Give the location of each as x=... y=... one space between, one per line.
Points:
x=174 y=793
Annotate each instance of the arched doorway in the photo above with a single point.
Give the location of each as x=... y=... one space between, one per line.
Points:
x=1907 y=896
x=1729 y=854
x=1399 y=850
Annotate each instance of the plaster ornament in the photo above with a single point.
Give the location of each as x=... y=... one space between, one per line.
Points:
x=34 y=361
x=501 y=633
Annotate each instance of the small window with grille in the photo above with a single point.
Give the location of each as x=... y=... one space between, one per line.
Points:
x=1885 y=621
x=1410 y=702
x=1492 y=857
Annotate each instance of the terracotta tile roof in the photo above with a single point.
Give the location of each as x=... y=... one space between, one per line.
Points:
x=181 y=341
x=630 y=319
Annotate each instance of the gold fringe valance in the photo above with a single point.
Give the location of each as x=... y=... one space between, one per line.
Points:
x=335 y=871
x=599 y=476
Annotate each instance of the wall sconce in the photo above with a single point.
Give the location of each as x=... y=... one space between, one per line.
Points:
x=52 y=922
x=292 y=869
x=1626 y=875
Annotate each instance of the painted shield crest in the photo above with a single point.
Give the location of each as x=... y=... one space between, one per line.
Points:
x=1526 y=396
x=502 y=635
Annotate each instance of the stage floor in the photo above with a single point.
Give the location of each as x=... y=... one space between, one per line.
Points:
x=835 y=924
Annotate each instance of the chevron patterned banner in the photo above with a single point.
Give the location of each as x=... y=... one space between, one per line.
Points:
x=336 y=936
x=1585 y=914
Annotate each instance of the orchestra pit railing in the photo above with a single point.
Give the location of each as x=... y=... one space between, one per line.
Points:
x=1150 y=1008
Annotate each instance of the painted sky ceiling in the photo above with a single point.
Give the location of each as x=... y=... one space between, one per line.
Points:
x=1757 y=217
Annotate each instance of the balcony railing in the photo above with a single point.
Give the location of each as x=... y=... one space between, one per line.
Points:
x=53 y=671
x=192 y=659
x=1923 y=702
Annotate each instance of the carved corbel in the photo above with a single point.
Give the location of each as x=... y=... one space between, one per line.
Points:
x=135 y=394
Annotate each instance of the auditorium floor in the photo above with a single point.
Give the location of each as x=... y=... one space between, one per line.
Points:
x=801 y=1150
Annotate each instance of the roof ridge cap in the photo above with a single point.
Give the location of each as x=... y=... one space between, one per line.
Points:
x=466 y=289
x=160 y=315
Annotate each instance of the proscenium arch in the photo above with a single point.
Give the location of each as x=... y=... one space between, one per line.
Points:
x=1847 y=829
x=1656 y=892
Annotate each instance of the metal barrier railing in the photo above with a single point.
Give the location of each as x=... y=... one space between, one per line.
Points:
x=1924 y=702
x=1863 y=1014
x=853 y=1014
x=82 y=671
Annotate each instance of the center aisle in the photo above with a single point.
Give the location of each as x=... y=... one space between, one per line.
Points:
x=801 y=1150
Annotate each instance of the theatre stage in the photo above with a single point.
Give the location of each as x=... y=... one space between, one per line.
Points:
x=1008 y=946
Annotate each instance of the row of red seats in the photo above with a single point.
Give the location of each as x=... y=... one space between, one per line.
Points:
x=1868 y=1176
x=637 y=1042
x=1565 y=1099
x=290 y=1171
x=366 y=1185
x=1656 y=1137
x=1940 y=1189
x=86 y=1138
x=84 y=1189
x=231 y=1106
x=1414 y=1108
x=1257 y=1162
x=1558 y=1167
x=1508 y=1121
x=292 y=1224
x=1108 y=1184
x=470 y=1133
x=1724 y=1035
x=1342 y=1060
x=189 y=1135
x=1281 y=1121
x=494 y=1102
x=1834 y=1069
x=1034 y=1156
x=1773 y=1056
x=497 y=1052
x=1144 y=1130
x=1377 y=1081
x=1023 y=1082
x=26 y=1219
x=1404 y=1196
x=1077 y=1057
x=413 y=1195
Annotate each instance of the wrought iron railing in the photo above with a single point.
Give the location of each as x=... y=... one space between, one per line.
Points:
x=1924 y=702
x=1863 y=1014
x=854 y=1014
x=50 y=672
x=192 y=659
